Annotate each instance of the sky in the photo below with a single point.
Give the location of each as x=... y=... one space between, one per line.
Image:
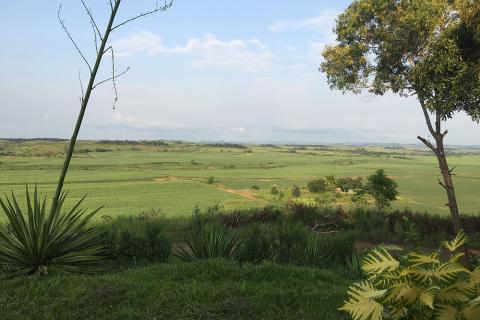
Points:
x=236 y=71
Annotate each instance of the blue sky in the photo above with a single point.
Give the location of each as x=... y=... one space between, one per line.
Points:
x=204 y=70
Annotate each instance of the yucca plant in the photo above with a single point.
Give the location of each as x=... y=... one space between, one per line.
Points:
x=213 y=241
x=421 y=287
x=43 y=240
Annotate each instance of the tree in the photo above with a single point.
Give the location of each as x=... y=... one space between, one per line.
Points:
x=412 y=48
x=102 y=48
x=382 y=188
x=296 y=192
x=317 y=186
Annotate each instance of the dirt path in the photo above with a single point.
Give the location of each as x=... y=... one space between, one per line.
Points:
x=243 y=193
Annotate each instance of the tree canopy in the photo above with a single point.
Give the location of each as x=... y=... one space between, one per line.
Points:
x=427 y=48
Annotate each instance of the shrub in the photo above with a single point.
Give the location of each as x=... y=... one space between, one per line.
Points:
x=274 y=190
x=48 y=239
x=257 y=245
x=239 y=218
x=296 y=192
x=327 y=251
x=382 y=188
x=348 y=183
x=326 y=200
x=317 y=186
x=331 y=183
x=138 y=238
x=420 y=286
x=289 y=241
x=212 y=241
x=211 y=180
x=255 y=187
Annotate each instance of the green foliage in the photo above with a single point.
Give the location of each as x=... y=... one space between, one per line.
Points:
x=317 y=186
x=41 y=240
x=349 y=183
x=138 y=238
x=420 y=286
x=296 y=192
x=326 y=200
x=274 y=190
x=212 y=241
x=408 y=47
x=255 y=187
x=330 y=183
x=211 y=180
x=382 y=188
x=257 y=245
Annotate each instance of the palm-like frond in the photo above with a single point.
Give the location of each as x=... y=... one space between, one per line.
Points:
x=378 y=261
x=456 y=243
x=39 y=240
x=361 y=304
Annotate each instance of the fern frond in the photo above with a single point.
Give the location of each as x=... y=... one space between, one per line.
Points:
x=428 y=296
x=379 y=261
x=472 y=311
x=449 y=271
x=361 y=304
x=475 y=276
x=457 y=293
x=456 y=243
x=402 y=292
x=446 y=312
x=418 y=259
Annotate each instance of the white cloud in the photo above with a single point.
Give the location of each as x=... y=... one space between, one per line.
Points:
x=323 y=22
x=208 y=51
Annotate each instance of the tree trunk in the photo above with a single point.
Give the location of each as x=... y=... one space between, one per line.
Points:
x=446 y=172
x=448 y=185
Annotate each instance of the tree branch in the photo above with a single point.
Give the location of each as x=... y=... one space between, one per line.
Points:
x=442 y=184
x=62 y=23
x=427 y=118
x=92 y=20
x=165 y=7
x=428 y=144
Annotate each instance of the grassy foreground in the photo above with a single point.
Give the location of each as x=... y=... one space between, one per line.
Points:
x=212 y=289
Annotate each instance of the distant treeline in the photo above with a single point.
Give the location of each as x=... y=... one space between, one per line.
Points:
x=224 y=145
x=134 y=142
x=21 y=140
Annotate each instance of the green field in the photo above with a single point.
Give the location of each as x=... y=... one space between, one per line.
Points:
x=172 y=177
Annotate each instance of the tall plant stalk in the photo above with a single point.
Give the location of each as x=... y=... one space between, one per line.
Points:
x=101 y=51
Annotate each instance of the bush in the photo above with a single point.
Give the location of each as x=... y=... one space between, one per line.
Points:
x=317 y=186
x=257 y=245
x=326 y=200
x=211 y=180
x=212 y=241
x=327 y=251
x=296 y=192
x=274 y=190
x=138 y=238
x=239 y=218
x=348 y=183
x=419 y=286
x=255 y=187
x=43 y=240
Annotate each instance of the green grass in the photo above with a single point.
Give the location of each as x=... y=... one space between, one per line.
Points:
x=127 y=182
x=200 y=290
